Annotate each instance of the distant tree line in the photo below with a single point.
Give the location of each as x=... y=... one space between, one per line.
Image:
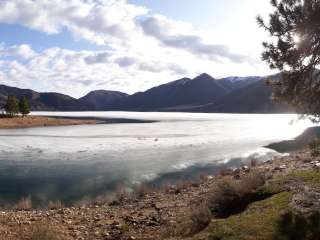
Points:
x=14 y=106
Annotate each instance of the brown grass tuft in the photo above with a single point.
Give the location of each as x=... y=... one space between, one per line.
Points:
x=197 y=220
x=25 y=204
x=55 y=205
x=43 y=231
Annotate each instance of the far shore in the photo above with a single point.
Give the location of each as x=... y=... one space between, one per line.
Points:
x=46 y=121
x=37 y=121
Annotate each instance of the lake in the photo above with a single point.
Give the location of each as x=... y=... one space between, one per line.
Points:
x=73 y=163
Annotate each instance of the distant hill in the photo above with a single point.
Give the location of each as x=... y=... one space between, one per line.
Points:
x=252 y=98
x=201 y=94
x=51 y=101
x=101 y=99
x=179 y=94
x=234 y=83
x=42 y=101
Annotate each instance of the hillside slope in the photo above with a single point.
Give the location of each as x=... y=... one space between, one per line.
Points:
x=101 y=99
x=184 y=92
x=253 y=98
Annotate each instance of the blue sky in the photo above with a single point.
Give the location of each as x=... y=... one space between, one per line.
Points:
x=17 y=35
x=126 y=45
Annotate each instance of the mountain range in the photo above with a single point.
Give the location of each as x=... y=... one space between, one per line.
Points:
x=201 y=94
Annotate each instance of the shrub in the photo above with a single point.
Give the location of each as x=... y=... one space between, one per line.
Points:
x=55 y=205
x=25 y=203
x=297 y=226
x=142 y=190
x=315 y=147
x=102 y=200
x=197 y=220
x=231 y=196
x=253 y=162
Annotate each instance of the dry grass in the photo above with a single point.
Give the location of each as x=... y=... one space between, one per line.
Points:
x=34 y=121
x=41 y=231
x=25 y=204
x=253 y=163
x=226 y=197
x=142 y=190
x=55 y=205
x=197 y=220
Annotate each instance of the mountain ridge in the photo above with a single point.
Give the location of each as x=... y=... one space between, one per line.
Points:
x=200 y=94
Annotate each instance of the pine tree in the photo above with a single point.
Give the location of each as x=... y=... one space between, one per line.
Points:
x=12 y=106
x=24 y=108
x=294 y=49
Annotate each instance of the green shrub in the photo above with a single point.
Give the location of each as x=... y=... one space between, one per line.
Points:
x=293 y=226
x=315 y=147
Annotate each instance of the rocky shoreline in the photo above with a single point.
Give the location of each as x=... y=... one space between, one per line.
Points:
x=147 y=214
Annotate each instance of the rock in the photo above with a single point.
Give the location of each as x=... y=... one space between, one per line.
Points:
x=280 y=168
x=114 y=203
x=245 y=168
x=236 y=171
x=317 y=165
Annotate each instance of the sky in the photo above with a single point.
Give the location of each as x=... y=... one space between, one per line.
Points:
x=76 y=46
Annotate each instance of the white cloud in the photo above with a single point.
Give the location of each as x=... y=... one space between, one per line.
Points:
x=21 y=51
x=169 y=33
x=75 y=73
x=144 y=50
x=100 y=22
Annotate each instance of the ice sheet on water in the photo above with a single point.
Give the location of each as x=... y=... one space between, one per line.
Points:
x=203 y=135
x=100 y=155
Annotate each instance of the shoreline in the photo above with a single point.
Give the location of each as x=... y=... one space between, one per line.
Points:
x=38 y=121
x=298 y=143
x=146 y=213
x=51 y=121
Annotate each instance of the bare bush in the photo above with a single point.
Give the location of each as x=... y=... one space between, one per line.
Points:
x=122 y=193
x=253 y=162
x=142 y=190
x=55 y=204
x=203 y=177
x=197 y=220
x=230 y=195
x=102 y=199
x=24 y=203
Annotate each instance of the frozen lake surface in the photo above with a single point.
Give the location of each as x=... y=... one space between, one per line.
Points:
x=71 y=162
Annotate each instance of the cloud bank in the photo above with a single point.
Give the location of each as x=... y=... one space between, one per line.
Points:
x=141 y=49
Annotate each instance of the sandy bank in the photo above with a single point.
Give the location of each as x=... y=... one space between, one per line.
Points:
x=37 y=121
